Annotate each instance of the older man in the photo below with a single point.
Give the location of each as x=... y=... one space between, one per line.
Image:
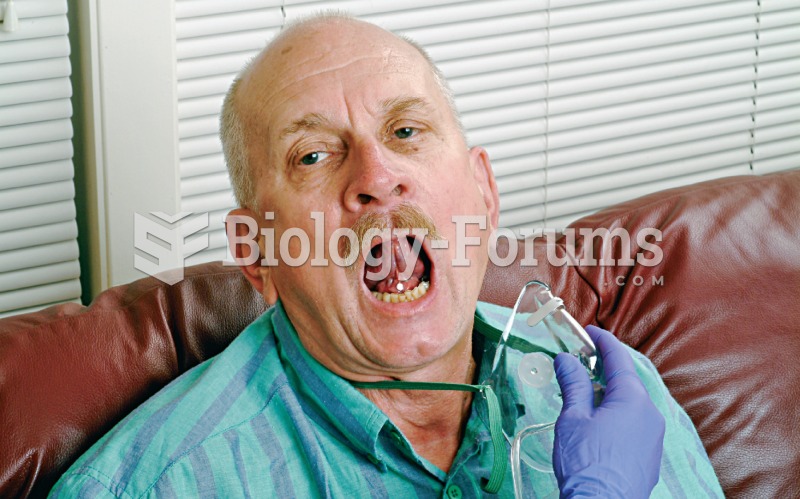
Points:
x=342 y=118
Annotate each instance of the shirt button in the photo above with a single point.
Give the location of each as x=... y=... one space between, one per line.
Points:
x=454 y=492
x=398 y=439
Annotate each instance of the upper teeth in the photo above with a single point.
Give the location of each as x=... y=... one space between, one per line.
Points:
x=405 y=296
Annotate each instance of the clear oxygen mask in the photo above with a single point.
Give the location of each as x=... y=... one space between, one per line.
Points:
x=523 y=376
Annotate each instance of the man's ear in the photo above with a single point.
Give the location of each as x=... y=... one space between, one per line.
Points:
x=247 y=247
x=484 y=177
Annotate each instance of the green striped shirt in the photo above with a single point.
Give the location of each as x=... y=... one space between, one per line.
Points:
x=265 y=419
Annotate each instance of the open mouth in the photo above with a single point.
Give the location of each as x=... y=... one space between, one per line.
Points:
x=402 y=275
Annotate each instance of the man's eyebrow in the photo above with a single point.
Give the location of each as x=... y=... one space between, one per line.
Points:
x=310 y=121
x=391 y=107
x=399 y=105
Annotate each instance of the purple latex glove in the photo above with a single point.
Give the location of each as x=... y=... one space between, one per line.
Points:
x=613 y=450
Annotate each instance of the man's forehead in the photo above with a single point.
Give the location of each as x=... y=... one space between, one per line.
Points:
x=322 y=96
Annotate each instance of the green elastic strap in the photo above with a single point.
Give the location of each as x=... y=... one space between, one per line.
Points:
x=515 y=342
x=495 y=423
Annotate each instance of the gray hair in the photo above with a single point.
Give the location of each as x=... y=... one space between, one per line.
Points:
x=232 y=130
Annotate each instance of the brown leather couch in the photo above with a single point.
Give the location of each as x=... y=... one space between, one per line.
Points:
x=719 y=318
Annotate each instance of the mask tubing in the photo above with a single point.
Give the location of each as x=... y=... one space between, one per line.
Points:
x=516 y=463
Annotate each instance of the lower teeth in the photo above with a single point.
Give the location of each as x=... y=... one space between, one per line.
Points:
x=405 y=296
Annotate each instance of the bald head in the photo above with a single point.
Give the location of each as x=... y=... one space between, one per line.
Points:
x=294 y=55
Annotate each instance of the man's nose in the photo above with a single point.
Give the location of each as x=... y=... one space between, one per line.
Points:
x=376 y=179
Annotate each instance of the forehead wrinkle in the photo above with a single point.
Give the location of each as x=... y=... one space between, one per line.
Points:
x=295 y=72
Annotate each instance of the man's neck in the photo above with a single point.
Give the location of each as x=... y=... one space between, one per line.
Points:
x=433 y=421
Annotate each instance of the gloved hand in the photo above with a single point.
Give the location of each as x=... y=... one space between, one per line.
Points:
x=613 y=450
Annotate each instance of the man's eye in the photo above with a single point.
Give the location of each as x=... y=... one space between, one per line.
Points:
x=405 y=132
x=313 y=157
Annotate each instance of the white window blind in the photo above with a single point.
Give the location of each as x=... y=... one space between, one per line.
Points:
x=776 y=134
x=641 y=96
x=213 y=41
x=581 y=104
x=38 y=234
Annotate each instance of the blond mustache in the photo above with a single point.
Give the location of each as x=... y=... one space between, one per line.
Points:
x=405 y=216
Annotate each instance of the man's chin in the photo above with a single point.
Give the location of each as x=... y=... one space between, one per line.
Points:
x=403 y=355
x=406 y=343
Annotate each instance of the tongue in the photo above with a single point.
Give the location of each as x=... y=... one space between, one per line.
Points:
x=401 y=275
